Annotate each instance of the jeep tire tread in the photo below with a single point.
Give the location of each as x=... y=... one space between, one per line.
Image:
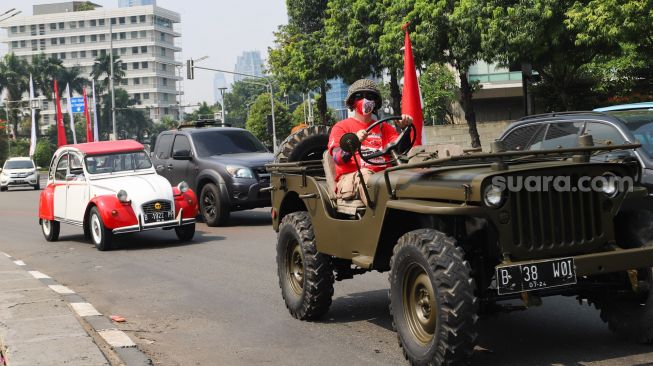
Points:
x=305 y=275
x=306 y=144
x=429 y=272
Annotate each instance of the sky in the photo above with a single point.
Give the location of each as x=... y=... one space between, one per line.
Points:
x=220 y=29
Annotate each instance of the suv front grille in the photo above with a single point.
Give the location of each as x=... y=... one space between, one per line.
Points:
x=149 y=208
x=555 y=220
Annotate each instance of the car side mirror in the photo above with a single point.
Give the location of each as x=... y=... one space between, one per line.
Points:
x=350 y=143
x=181 y=155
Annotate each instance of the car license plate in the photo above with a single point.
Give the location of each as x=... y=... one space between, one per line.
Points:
x=535 y=275
x=158 y=216
x=19 y=182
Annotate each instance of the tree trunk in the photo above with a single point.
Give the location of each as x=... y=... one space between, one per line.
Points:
x=468 y=108
x=322 y=107
x=395 y=94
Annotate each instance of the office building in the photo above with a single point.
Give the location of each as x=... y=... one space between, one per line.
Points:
x=143 y=36
x=251 y=63
x=336 y=98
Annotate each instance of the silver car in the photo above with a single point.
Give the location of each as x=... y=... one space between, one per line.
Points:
x=19 y=172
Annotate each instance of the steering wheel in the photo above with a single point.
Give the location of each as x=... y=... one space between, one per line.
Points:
x=392 y=146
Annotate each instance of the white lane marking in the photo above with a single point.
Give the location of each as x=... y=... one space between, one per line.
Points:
x=37 y=274
x=19 y=263
x=84 y=309
x=116 y=338
x=61 y=289
x=6 y=255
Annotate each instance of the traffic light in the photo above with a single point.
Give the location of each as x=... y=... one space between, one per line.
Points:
x=190 y=69
x=269 y=124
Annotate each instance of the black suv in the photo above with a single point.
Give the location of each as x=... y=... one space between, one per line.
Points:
x=224 y=165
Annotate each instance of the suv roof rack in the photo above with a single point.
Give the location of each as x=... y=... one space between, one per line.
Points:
x=555 y=114
x=201 y=123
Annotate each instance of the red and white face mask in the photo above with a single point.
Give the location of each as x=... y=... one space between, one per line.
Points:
x=364 y=106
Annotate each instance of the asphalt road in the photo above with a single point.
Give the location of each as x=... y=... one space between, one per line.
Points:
x=216 y=301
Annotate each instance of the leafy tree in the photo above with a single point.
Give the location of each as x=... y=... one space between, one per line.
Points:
x=44 y=69
x=166 y=123
x=14 y=80
x=257 y=120
x=439 y=91
x=19 y=147
x=205 y=111
x=101 y=70
x=238 y=101
x=131 y=122
x=43 y=152
x=72 y=76
x=85 y=6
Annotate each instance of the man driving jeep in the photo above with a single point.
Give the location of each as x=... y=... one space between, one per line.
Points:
x=364 y=98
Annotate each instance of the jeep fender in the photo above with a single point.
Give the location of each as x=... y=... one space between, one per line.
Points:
x=46 y=203
x=211 y=176
x=114 y=213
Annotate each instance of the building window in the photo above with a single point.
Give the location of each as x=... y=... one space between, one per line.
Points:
x=14 y=44
x=123 y=35
x=134 y=34
x=22 y=29
x=121 y=20
x=164 y=81
x=14 y=29
x=73 y=54
x=123 y=50
x=93 y=37
x=62 y=55
x=144 y=65
x=147 y=96
x=164 y=67
x=93 y=22
x=123 y=82
x=123 y=66
x=82 y=39
x=23 y=44
x=143 y=49
x=137 y=96
x=137 y=81
x=165 y=97
x=133 y=19
x=94 y=53
x=82 y=54
x=80 y=24
x=46 y=118
x=34 y=45
x=72 y=25
x=61 y=25
x=32 y=29
x=114 y=36
x=134 y=50
x=135 y=66
x=142 y=18
x=113 y=21
x=103 y=52
x=103 y=37
x=143 y=34
x=53 y=41
x=42 y=44
x=62 y=40
x=163 y=51
x=163 y=36
x=53 y=26
x=100 y=22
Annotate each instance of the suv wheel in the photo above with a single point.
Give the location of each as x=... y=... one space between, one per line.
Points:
x=50 y=229
x=432 y=299
x=214 y=211
x=100 y=235
x=305 y=275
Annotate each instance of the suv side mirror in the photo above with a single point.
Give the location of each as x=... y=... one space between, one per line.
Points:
x=350 y=143
x=181 y=155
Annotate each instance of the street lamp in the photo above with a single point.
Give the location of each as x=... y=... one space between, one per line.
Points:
x=222 y=103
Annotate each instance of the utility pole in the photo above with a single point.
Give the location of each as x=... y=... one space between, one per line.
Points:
x=113 y=97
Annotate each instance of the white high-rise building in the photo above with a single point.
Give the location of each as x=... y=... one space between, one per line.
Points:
x=143 y=36
x=250 y=62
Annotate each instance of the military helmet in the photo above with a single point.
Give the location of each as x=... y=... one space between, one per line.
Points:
x=363 y=86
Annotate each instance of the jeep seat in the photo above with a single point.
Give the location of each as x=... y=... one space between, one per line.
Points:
x=347 y=207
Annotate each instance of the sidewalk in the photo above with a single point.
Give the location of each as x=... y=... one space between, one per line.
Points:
x=37 y=324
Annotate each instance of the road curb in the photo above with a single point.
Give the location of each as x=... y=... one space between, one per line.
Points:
x=115 y=345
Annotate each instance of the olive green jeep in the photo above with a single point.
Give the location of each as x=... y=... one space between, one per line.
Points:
x=459 y=238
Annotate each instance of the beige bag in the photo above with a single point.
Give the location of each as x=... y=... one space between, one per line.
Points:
x=349 y=186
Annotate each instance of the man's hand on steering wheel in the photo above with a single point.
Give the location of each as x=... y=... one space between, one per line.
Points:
x=405 y=121
x=408 y=128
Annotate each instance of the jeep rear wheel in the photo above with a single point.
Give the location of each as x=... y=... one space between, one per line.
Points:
x=305 y=276
x=306 y=144
x=432 y=299
x=214 y=211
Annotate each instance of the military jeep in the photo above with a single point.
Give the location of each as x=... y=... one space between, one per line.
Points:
x=458 y=244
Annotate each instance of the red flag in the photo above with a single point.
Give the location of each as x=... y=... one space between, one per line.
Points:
x=61 y=131
x=89 y=130
x=411 y=103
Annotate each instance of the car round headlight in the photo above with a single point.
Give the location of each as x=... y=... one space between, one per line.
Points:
x=610 y=184
x=493 y=196
x=183 y=187
x=122 y=196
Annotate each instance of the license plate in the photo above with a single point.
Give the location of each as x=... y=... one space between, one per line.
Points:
x=158 y=216
x=535 y=275
x=19 y=182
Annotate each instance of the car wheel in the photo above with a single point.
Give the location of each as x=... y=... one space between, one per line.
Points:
x=185 y=232
x=50 y=229
x=306 y=144
x=432 y=300
x=37 y=186
x=100 y=235
x=2 y=189
x=214 y=211
x=305 y=275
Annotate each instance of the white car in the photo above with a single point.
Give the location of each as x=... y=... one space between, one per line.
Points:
x=110 y=187
x=19 y=172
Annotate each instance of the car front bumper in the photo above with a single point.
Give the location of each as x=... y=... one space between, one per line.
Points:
x=246 y=195
x=178 y=221
x=16 y=182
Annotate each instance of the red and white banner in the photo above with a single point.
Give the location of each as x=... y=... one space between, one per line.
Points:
x=411 y=103
x=61 y=131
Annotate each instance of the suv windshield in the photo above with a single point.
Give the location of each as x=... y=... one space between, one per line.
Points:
x=209 y=143
x=19 y=164
x=112 y=163
x=640 y=123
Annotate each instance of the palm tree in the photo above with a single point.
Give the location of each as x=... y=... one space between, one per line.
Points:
x=102 y=66
x=44 y=70
x=72 y=76
x=14 y=77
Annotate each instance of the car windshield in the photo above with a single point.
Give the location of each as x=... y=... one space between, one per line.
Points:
x=19 y=164
x=640 y=124
x=121 y=162
x=219 y=142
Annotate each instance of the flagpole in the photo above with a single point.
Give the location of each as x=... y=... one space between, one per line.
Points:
x=70 y=113
x=32 y=145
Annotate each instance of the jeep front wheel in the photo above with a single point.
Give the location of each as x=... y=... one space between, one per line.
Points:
x=305 y=276
x=432 y=299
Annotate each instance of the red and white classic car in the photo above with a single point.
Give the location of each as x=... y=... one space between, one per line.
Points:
x=110 y=187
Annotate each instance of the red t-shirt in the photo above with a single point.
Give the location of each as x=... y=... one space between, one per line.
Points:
x=376 y=140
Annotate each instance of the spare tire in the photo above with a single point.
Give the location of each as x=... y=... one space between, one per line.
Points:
x=306 y=144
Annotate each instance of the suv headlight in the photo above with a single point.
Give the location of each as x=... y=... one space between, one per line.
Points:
x=493 y=196
x=240 y=172
x=122 y=196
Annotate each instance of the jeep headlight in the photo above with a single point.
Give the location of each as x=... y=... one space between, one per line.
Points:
x=610 y=184
x=122 y=196
x=493 y=196
x=182 y=186
x=240 y=172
